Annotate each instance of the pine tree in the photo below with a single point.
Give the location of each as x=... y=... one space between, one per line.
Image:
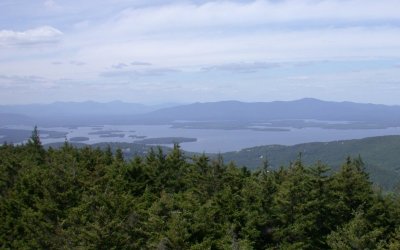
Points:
x=119 y=156
x=356 y=234
x=352 y=190
x=36 y=150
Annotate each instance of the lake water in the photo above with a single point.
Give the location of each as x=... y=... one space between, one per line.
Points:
x=215 y=140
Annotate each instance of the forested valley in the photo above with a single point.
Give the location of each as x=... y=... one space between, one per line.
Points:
x=91 y=198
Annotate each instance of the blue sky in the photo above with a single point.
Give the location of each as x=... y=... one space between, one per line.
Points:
x=186 y=51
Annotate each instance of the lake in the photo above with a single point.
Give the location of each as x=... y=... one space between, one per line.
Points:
x=211 y=140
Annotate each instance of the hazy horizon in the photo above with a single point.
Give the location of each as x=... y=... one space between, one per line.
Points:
x=185 y=51
x=171 y=104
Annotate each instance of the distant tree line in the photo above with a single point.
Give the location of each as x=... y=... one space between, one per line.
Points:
x=88 y=198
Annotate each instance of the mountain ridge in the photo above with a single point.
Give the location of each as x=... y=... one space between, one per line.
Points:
x=307 y=108
x=229 y=113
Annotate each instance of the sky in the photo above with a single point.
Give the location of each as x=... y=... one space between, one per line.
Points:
x=177 y=51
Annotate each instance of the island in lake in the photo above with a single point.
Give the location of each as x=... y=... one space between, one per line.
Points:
x=166 y=140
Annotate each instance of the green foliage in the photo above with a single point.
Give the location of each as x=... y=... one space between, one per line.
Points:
x=356 y=234
x=89 y=198
x=380 y=154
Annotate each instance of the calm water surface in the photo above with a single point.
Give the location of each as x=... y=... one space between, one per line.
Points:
x=213 y=140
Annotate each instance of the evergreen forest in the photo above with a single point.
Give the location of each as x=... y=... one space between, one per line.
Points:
x=92 y=198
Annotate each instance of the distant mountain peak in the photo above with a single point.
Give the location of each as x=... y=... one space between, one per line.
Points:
x=309 y=99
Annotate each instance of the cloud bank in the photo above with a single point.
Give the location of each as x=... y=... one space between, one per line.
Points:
x=201 y=45
x=37 y=36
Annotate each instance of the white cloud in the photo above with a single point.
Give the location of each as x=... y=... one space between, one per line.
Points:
x=265 y=46
x=223 y=32
x=36 y=36
x=138 y=73
x=261 y=12
x=242 y=67
x=118 y=38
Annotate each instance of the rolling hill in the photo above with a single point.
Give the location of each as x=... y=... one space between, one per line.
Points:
x=381 y=156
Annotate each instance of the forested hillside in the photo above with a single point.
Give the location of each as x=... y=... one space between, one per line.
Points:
x=88 y=198
x=380 y=155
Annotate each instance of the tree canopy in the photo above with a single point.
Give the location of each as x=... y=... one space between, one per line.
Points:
x=96 y=199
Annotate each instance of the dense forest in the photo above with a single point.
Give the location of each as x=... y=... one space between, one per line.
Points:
x=91 y=198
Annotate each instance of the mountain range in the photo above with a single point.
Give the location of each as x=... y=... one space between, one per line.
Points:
x=306 y=112
x=307 y=108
